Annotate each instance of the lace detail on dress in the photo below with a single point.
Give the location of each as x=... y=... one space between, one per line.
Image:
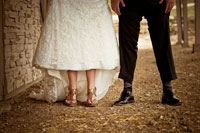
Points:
x=52 y=90
x=76 y=35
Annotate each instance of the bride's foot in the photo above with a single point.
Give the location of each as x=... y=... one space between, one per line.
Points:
x=71 y=98
x=92 y=98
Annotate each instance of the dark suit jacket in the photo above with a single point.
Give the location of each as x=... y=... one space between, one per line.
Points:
x=141 y=4
x=136 y=2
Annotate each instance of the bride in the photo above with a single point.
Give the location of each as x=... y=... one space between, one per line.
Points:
x=77 y=51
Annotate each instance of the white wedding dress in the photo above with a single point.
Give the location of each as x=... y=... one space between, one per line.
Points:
x=76 y=35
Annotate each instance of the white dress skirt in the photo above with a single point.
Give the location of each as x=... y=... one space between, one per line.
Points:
x=76 y=35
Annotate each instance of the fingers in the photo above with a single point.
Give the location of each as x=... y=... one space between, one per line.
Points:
x=169 y=6
x=118 y=10
x=161 y=1
x=115 y=6
x=123 y=4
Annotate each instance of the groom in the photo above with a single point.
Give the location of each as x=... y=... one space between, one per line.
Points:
x=157 y=14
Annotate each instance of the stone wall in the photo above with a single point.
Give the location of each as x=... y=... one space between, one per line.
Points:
x=1 y=52
x=22 y=22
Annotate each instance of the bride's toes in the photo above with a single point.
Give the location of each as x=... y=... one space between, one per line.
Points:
x=70 y=103
x=67 y=101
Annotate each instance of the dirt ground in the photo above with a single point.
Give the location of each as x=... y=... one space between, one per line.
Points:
x=147 y=114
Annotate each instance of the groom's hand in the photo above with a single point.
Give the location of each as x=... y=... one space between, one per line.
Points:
x=169 y=5
x=115 y=5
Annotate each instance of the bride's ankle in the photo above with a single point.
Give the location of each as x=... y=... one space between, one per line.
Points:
x=90 y=87
x=92 y=93
x=72 y=87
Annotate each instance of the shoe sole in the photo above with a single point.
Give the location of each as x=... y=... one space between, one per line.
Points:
x=70 y=105
x=129 y=102
x=176 y=104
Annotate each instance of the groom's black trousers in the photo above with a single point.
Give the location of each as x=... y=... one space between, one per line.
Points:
x=129 y=28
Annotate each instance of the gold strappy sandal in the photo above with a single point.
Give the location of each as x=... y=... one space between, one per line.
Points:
x=92 y=101
x=71 y=98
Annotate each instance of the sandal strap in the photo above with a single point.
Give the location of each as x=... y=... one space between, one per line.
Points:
x=92 y=97
x=92 y=91
x=72 y=91
x=70 y=99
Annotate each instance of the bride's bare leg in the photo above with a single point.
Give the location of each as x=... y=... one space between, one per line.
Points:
x=71 y=99
x=91 y=87
x=72 y=75
x=91 y=78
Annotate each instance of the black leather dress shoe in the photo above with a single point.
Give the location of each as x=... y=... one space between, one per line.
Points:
x=170 y=99
x=126 y=98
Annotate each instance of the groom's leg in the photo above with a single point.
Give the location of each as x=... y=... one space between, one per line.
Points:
x=158 y=23
x=129 y=27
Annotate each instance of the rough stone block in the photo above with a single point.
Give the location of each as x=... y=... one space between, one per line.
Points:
x=14 y=48
x=22 y=20
x=10 y=30
x=10 y=70
x=16 y=73
x=29 y=48
x=23 y=60
x=13 y=41
x=29 y=77
x=7 y=41
x=12 y=64
x=21 y=28
x=10 y=86
x=10 y=23
x=13 y=14
x=8 y=48
x=23 y=71
x=30 y=41
x=29 y=71
x=30 y=61
x=35 y=3
x=18 y=7
x=18 y=83
x=20 y=47
x=21 y=39
x=22 y=55
x=22 y=13
x=7 y=6
x=7 y=65
x=8 y=55
x=24 y=7
x=19 y=62
x=9 y=75
x=10 y=35
x=20 y=33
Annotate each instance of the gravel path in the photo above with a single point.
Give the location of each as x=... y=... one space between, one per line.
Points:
x=145 y=115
